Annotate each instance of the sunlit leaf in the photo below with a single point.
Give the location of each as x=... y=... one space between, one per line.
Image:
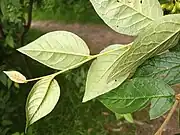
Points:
x=127 y=117
x=163 y=34
x=128 y=16
x=3 y=78
x=96 y=83
x=16 y=76
x=41 y=100
x=58 y=50
x=9 y=41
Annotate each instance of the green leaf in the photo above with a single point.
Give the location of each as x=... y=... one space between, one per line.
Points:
x=15 y=76
x=9 y=83
x=9 y=41
x=99 y=71
x=3 y=79
x=135 y=94
x=128 y=16
x=159 y=106
x=42 y=99
x=161 y=35
x=127 y=117
x=165 y=66
x=16 y=3
x=119 y=116
x=163 y=1
x=58 y=50
x=3 y=5
x=17 y=133
x=6 y=122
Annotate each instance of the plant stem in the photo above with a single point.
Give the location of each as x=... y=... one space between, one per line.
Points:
x=91 y=57
x=160 y=130
x=2 y=32
x=26 y=29
x=29 y=20
x=62 y=71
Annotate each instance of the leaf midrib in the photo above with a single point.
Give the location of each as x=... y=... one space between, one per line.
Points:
x=111 y=78
x=42 y=100
x=139 y=12
x=138 y=98
x=109 y=67
x=53 y=51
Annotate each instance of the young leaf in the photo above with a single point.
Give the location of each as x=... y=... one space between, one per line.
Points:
x=127 y=117
x=135 y=94
x=165 y=66
x=58 y=50
x=128 y=16
x=98 y=73
x=161 y=35
x=119 y=116
x=16 y=76
x=41 y=100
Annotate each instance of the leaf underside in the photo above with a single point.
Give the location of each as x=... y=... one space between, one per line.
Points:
x=128 y=16
x=16 y=76
x=96 y=83
x=57 y=50
x=161 y=35
x=41 y=100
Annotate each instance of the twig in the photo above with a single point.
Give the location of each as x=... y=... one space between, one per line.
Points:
x=160 y=130
x=26 y=29
x=1 y=31
x=29 y=20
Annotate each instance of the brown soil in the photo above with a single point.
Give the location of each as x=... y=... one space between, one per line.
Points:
x=98 y=37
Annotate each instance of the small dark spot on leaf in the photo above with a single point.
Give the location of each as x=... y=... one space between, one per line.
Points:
x=117 y=0
x=141 y=1
x=117 y=26
x=115 y=80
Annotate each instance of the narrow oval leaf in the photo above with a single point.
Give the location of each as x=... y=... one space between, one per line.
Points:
x=128 y=16
x=135 y=94
x=57 y=50
x=156 y=38
x=41 y=100
x=16 y=76
x=127 y=117
x=98 y=73
x=165 y=66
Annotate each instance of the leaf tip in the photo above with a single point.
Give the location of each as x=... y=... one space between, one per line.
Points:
x=84 y=100
x=19 y=50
